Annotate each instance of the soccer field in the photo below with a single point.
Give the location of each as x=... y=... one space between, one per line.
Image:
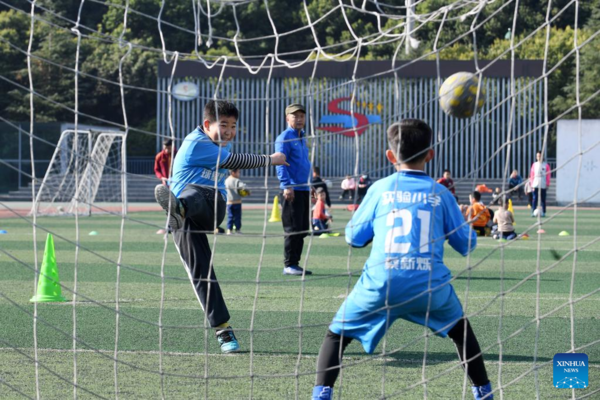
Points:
x=280 y=321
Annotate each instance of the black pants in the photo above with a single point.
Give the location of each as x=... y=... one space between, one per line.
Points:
x=296 y=224
x=193 y=247
x=518 y=190
x=480 y=230
x=539 y=196
x=333 y=347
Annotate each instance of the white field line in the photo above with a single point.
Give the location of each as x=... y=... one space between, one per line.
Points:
x=241 y=355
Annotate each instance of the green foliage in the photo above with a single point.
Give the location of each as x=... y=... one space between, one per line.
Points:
x=253 y=25
x=589 y=75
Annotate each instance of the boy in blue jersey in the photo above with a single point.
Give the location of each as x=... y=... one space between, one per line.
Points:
x=408 y=217
x=191 y=201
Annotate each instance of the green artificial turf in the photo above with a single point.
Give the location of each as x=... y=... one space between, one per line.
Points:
x=524 y=305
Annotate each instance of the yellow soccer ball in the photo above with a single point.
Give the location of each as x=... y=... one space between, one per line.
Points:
x=458 y=95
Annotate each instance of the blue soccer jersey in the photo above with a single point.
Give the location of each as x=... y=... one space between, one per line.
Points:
x=408 y=217
x=197 y=161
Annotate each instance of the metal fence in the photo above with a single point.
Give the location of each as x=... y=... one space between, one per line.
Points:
x=476 y=147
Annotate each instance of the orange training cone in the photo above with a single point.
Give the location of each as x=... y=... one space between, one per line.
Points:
x=275 y=212
x=48 y=288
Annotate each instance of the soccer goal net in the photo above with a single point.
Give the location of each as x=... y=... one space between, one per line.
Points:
x=87 y=167
x=132 y=325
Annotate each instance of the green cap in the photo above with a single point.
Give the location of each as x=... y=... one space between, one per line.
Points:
x=292 y=108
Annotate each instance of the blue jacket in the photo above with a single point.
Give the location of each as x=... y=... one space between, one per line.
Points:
x=297 y=175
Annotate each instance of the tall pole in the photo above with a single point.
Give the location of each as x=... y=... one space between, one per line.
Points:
x=410 y=10
x=20 y=158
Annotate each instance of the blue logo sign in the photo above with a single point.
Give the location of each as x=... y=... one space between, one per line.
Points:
x=570 y=371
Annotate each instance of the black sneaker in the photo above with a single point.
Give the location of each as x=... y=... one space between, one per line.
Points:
x=227 y=340
x=171 y=204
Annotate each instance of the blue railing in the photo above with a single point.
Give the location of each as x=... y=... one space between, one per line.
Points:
x=140 y=165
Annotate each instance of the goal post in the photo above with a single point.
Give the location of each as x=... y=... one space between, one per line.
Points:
x=87 y=167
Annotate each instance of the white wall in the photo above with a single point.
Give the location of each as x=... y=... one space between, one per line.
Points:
x=570 y=136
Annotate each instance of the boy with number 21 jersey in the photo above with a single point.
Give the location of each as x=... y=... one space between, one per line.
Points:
x=407 y=217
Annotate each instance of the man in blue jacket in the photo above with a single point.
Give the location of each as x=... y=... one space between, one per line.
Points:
x=294 y=181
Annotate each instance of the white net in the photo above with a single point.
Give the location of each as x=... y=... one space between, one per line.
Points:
x=134 y=328
x=86 y=168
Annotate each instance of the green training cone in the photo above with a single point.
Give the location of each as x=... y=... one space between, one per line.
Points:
x=564 y=233
x=48 y=288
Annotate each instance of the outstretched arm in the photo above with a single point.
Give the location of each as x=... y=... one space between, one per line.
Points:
x=245 y=161
x=249 y=161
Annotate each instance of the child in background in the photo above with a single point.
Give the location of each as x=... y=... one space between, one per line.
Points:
x=528 y=192
x=505 y=220
x=447 y=181
x=364 y=183
x=321 y=217
x=348 y=187
x=318 y=183
x=477 y=213
x=496 y=196
x=236 y=189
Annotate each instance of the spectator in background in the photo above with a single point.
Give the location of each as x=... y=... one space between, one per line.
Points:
x=318 y=183
x=348 y=187
x=446 y=180
x=529 y=193
x=236 y=190
x=162 y=167
x=364 y=183
x=294 y=181
x=477 y=214
x=162 y=162
x=515 y=184
x=320 y=217
x=505 y=221
x=496 y=196
x=540 y=181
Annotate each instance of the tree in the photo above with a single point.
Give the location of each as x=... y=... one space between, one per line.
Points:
x=589 y=75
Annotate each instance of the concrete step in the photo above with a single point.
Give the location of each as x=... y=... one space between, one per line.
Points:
x=140 y=188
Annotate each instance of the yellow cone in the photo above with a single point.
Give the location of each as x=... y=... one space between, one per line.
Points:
x=275 y=212
x=48 y=288
x=511 y=209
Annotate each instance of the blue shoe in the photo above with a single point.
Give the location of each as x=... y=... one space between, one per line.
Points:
x=483 y=392
x=171 y=204
x=295 y=270
x=322 y=393
x=227 y=340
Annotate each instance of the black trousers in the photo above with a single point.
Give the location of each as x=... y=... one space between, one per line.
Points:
x=193 y=247
x=296 y=225
x=467 y=347
x=539 y=195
